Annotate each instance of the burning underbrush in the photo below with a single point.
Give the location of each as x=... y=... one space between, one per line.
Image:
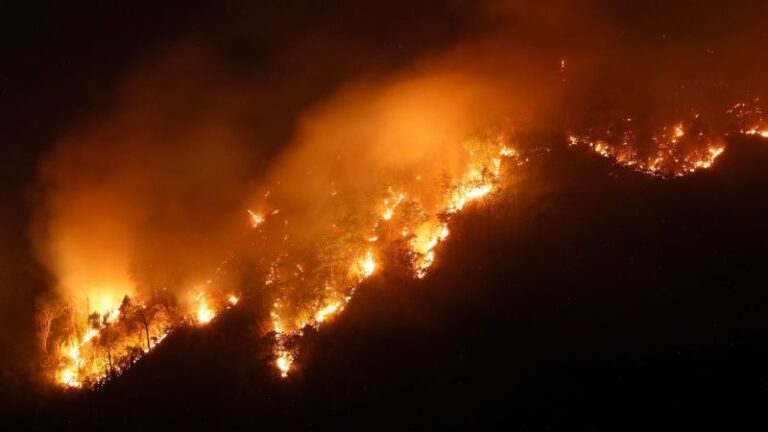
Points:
x=677 y=149
x=372 y=180
x=90 y=347
x=506 y=295
x=673 y=151
x=310 y=273
x=401 y=228
x=309 y=279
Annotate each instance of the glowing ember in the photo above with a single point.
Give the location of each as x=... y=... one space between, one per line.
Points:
x=90 y=334
x=104 y=348
x=256 y=219
x=464 y=195
x=679 y=131
x=113 y=315
x=366 y=265
x=707 y=160
x=750 y=117
x=204 y=313
x=327 y=311
x=364 y=183
x=761 y=133
x=68 y=377
x=284 y=362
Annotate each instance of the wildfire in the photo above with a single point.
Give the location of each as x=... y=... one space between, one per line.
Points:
x=377 y=173
x=755 y=131
x=113 y=315
x=284 y=362
x=69 y=376
x=423 y=245
x=366 y=265
x=750 y=118
x=204 y=314
x=466 y=194
x=675 y=151
x=327 y=311
x=391 y=203
x=106 y=347
x=400 y=220
x=74 y=370
x=679 y=132
x=709 y=158
x=404 y=219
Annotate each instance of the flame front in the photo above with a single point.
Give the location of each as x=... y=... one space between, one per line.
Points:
x=283 y=363
x=204 y=313
x=405 y=221
x=105 y=346
x=383 y=200
x=682 y=148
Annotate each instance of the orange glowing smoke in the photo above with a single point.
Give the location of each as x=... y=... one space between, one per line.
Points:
x=375 y=175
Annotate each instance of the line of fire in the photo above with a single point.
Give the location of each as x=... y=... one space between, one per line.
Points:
x=88 y=341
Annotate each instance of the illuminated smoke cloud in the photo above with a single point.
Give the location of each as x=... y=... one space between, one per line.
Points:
x=146 y=207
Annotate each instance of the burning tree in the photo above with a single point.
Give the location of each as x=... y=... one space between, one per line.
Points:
x=44 y=316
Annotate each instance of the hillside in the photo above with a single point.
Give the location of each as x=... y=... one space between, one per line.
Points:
x=592 y=296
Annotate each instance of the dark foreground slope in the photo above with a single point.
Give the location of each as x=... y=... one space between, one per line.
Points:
x=592 y=298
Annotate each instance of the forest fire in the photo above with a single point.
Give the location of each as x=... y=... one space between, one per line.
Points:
x=349 y=215
x=104 y=345
x=677 y=150
x=366 y=265
x=674 y=151
x=371 y=182
x=763 y=133
x=402 y=225
x=283 y=363
x=327 y=312
x=233 y=299
x=410 y=221
x=204 y=312
x=402 y=222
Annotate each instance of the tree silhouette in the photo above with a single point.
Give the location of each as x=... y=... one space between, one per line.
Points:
x=44 y=316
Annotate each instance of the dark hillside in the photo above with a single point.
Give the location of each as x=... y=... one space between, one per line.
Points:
x=592 y=298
